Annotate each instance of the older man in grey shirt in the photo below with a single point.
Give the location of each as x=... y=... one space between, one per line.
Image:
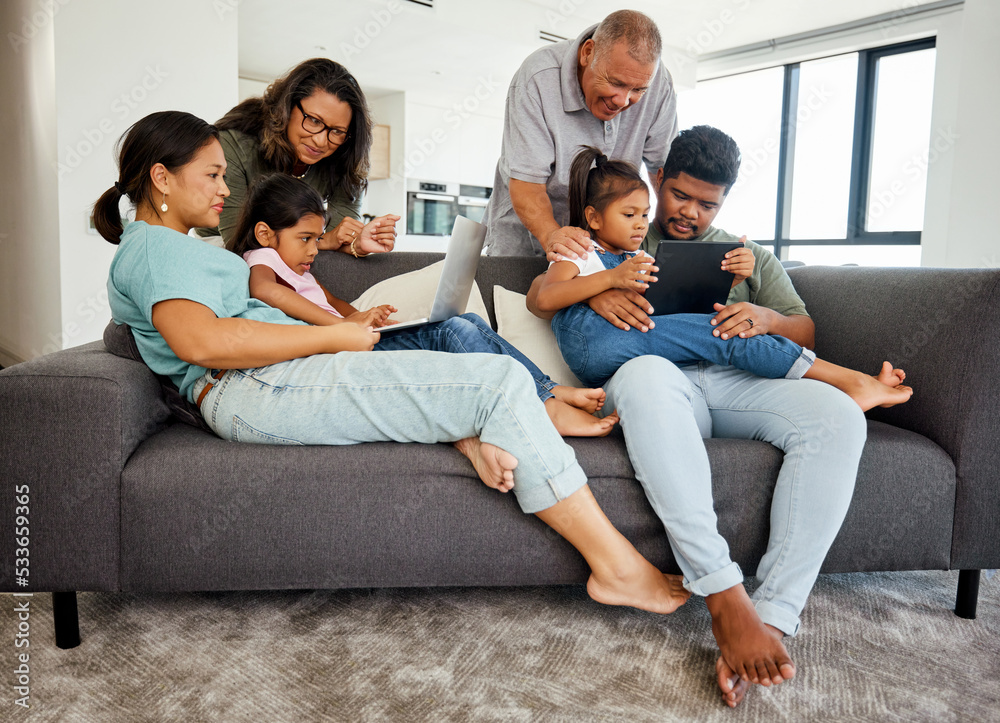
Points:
x=607 y=89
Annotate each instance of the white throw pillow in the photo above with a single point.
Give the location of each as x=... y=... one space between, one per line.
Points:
x=531 y=335
x=413 y=294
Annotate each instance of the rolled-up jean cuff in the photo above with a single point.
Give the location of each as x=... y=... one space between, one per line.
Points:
x=717 y=581
x=554 y=490
x=771 y=614
x=801 y=365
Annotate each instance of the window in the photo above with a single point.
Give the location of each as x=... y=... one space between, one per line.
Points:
x=834 y=153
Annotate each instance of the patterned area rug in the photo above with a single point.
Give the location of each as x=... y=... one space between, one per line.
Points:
x=873 y=647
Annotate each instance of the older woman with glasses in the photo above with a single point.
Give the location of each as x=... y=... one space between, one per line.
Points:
x=313 y=123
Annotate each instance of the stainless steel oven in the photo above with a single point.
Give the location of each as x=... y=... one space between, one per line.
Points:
x=431 y=206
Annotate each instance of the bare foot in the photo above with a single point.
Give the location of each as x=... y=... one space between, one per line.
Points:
x=750 y=650
x=644 y=587
x=589 y=400
x=884 y=390
x=494 y=466
x=890 y=376
x=733 y=687
x=572 y=422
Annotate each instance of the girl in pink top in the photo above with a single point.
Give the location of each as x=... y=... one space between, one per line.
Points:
x=276 y=234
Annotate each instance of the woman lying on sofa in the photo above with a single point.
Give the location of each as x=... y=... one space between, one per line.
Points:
x=260 y=376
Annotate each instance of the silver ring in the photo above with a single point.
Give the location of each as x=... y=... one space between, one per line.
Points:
x=751 y=322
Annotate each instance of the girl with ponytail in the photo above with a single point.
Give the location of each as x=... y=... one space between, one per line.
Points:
x=611 y=201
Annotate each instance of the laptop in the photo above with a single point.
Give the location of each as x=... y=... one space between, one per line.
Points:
x=690 y=278
x=460 y=263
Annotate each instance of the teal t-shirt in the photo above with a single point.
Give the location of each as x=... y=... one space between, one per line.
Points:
x=769 y=284
x=154 y=264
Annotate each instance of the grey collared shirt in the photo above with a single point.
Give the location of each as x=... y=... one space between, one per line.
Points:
x=545 y=123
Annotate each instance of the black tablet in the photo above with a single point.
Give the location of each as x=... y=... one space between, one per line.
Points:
x=690 y=278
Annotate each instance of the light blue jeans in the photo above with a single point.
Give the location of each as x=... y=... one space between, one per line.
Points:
x=594 y=348
x=464 y=334
x=666 y=411
x=400 y=396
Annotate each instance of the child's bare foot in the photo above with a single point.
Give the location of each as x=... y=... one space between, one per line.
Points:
x=642 y=587
x=890 y=376
x=589 y=400
x=751 y=651
x=494 y=466
x=572 y=422
x=866 y=390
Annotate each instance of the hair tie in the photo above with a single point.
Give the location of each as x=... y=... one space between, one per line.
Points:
x=600 y=160
x=120 y=187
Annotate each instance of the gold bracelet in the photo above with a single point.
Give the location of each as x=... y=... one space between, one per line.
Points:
x=354 y=253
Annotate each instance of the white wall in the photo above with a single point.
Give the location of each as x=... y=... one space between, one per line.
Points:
x=113 y=68
x=388 y=195
x=78 y=84
x=29 y=226
x=963 y=216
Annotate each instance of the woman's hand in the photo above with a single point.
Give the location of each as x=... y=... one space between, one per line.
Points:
x=375 y=316
x=350 y=337
x=378 y=237
x=634 y=274
x=740 y=263
x=341 y=235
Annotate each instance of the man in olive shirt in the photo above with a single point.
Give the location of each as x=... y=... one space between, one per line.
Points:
x=666 y=411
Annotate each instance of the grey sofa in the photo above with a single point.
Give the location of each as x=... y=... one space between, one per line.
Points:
x=122 y=497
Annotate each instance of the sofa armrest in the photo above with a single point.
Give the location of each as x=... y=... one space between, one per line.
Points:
x=69 y=421
x=943 y=328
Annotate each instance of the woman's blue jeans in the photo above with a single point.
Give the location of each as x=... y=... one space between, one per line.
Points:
x=400 y=396
x=594 y=348
x=464 y=334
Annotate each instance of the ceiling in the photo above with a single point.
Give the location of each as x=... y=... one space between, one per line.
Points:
x=460 y=49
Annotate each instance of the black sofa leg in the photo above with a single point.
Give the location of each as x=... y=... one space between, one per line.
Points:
x=968 y=594
x=67 y=621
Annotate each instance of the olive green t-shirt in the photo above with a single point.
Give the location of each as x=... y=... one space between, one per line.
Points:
x=769 y=284
x=245 y=163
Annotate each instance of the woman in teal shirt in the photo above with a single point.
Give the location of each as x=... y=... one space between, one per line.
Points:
x=313 y=123
x=260 y=376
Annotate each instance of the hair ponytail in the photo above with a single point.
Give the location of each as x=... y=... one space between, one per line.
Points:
x=595 y=180
x=169 y=137
x=107 y=216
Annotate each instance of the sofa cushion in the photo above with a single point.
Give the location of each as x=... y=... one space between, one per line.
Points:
x=200 y=513
x=413 y=294
x=531 y=335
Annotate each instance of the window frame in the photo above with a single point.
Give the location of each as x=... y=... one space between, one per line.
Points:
x=864 y=131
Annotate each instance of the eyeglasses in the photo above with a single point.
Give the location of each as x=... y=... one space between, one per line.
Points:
x=313 y=125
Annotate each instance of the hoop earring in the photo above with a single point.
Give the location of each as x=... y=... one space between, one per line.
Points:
x=163 y=205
